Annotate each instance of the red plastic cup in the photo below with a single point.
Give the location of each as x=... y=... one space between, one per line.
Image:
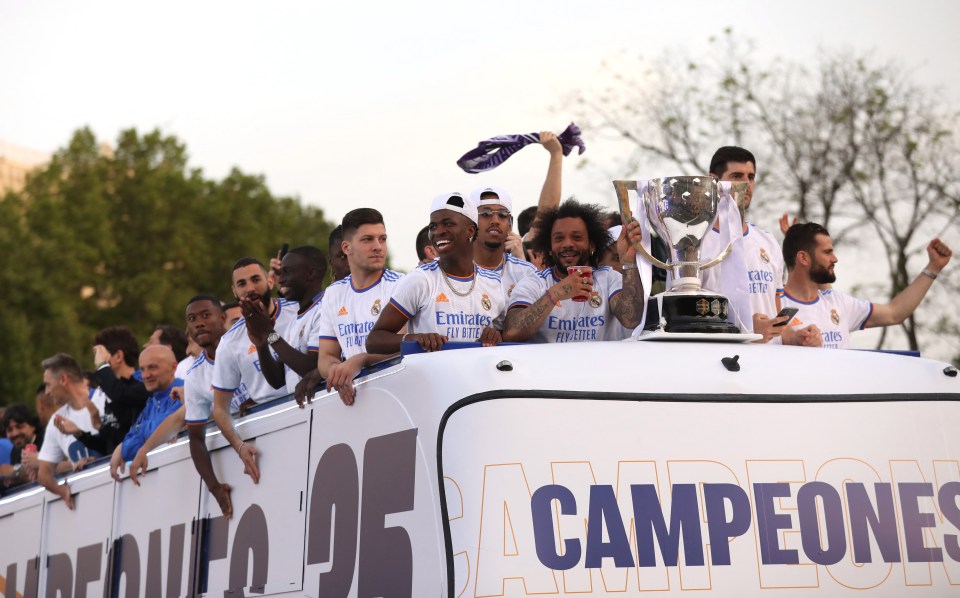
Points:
x=30 y=448
x=582 y=272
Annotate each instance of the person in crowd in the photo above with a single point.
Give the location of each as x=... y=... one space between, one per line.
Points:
x=542 y=306
x=300 y=278
x=426 y=251
x=339 y=267
x=206 y=322
x=173 y=337
x=351 y=307
x=252 y=368
x=497 y=247
x=448 y=299
x=22 y=427
x=525 y=219
x=237 y=376
x=811 y=261
x=232 y=314
x=120 y=390
x=761 y=257
x=60 y=452
x=159 y=366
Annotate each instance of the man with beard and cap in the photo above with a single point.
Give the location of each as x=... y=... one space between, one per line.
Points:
x=542 y=306
x=300 y=279
x=448 y=299
x=497 y=246
x=206 y=322
x=242 y=365
x=810 y=258
x=351 y=307
x=158 y=366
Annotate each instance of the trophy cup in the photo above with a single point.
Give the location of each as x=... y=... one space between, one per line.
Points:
x=682 y=210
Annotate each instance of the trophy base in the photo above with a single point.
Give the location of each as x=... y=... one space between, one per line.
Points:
x=690 y=311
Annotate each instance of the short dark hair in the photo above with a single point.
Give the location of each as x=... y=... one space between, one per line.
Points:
x=801 y=237
x=207 y=297
x=592 y=216
x=314 y=256
x=174 y=338
x=726 y=154
x=119 y=338
x=423 y=241
x=20 y=414
x=525 y=219
x=231 y=305
x=61 y=363
x=336 y=236
x=354 y=219
x=248 y=261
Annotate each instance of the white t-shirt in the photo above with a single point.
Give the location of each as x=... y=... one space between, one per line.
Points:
x=237 y=369
x=198 y=390
x=763 y=258
x=184 y=366
x=58 y=446
x=425 y=298
x=349 y=313
x=836 y=314
x=574 y=321
x=301 y=334
x=512 y=270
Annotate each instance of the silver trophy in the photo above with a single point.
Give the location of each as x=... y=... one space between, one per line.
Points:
x=682 y=210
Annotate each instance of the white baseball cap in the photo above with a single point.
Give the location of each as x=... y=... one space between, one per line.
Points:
x=456 y=202
x=502 y=197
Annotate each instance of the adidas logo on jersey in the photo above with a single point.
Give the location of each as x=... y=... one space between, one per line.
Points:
x=441 y=298
x=343 y=311
x=252 y=349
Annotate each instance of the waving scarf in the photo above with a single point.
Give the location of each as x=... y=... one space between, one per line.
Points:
x=494 y=151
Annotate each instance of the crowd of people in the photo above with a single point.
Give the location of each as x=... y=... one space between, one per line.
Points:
x=569 y=274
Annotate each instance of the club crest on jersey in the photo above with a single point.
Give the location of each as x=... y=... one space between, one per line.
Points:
x=595 y=300
x=834 y=317
x=343 y=310
x=764 y=256
x=510 y=290
x=375 y=308
x=485 y=302
x=441 y=298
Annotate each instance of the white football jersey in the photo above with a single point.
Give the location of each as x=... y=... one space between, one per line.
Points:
x=573 y=321
x=763 y=258
x=836 y=314
x=301 y=334
x=512 y=270
x=428 y=299
x=58 y=446
x=198 y=390
x=349 y=313
x=237 y=369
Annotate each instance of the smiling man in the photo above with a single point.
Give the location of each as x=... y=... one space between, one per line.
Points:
x=447 y=299
x=811 y=261
x=542 y=306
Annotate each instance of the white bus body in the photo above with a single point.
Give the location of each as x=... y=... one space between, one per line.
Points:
x=590 y=469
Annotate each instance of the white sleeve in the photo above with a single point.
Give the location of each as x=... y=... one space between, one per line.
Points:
x=226 y=370
x=527 y=291
x=409 y=293
x=50 y=451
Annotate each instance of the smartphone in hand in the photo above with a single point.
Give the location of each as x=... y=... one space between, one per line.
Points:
x=786 y=311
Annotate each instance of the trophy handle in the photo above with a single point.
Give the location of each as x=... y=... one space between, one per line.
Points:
x=723 y=255
x=626 y=216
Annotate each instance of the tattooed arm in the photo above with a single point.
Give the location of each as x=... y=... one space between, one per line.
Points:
x=627 y=305
x=523 y=322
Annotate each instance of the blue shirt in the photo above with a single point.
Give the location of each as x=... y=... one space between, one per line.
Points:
x=158 y=407
x=6 y=447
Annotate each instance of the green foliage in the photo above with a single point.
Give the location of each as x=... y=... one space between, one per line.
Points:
x=95 y=240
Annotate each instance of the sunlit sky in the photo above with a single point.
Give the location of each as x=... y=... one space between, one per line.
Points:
x=370 y=103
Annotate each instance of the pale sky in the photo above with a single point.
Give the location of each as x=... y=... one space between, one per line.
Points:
x=350 y=104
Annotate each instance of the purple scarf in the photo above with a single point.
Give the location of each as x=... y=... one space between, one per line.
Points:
x=494 y=151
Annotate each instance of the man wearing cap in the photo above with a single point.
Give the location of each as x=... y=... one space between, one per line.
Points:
x=497 y=245
x=448 y=299
x=542 y=307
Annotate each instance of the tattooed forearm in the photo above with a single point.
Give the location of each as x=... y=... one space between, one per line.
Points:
x=628 y=305
x=523 y=322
